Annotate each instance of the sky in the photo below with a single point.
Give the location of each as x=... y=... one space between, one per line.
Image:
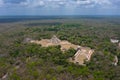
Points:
x=59 y=7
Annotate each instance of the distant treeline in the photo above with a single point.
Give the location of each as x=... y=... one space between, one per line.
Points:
x=40 y=24
x=8 y=19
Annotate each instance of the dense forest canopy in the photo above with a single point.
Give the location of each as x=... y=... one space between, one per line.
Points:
x=20 y=60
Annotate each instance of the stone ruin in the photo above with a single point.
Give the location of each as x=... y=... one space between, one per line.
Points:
x=26 y=40
x=115 y=62
x=55 y=40
x=82 y=53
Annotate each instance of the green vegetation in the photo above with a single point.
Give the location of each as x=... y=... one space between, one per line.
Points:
x=25 y=61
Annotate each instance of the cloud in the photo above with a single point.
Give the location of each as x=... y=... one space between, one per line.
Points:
x=33 y=3
x=14 y=1
x=103 y=3
x=116 y=3
x=59 y=7
x=1 y=3
x=93 y=3
x=61 y=3
x=80 y=2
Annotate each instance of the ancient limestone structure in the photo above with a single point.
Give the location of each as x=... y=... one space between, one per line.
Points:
x=115 y=61
x=82 y=53
x=26 y=40
x=114 y=40
x=55 y=40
